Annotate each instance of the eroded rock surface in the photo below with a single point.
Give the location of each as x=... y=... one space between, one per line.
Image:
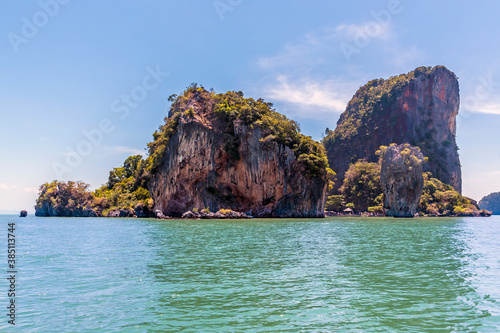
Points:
x=231 y=165
x=401 y=179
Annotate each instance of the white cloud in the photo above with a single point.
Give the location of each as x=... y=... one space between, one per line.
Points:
x=316 y=97
x=490 y=108
x=308 y=51
x=319 y=73
x=115 y=150
x=371 y=29
x=324 y=45
x=7 y=187
x=30 y=190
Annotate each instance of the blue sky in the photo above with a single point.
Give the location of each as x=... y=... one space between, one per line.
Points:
x=71 y=67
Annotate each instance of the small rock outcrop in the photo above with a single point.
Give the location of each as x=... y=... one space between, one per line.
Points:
x=221 y=214
x=224 y=151
x=419 y=107
x=70 y=199
x=120 y=213
x=401 y=179
x=23 y=213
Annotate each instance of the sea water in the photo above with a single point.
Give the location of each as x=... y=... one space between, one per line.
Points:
x=262 y=275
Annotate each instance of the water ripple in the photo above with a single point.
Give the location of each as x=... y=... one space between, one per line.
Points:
x=133 y=275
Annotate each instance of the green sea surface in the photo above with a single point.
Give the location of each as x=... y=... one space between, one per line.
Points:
x=260 y=275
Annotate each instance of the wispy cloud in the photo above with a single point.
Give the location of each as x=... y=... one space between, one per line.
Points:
x=313 y=76
x=116 y=150
x=327 y=45
x=372 y=29
x=112 y=150
x=30 y=190
x=316 y=97
x=8 y=187
x=490 y=108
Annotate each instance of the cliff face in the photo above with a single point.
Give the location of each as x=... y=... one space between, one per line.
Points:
x=419 y=108
x=401 y=179
x=231 y=165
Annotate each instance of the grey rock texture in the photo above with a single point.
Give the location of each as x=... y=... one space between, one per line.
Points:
x=401 y=179
x=266 y=180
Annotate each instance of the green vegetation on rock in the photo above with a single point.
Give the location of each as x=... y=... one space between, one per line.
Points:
x=362 y=191
x=64 y=199
x=439 y=198
x=225 y=109
x=334 y=203
x=369 y=102
x=361 y=186
x=126 y=189
x=491 y=202
x=408 y=108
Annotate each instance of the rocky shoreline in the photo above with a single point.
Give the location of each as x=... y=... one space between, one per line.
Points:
x=484 y=213
x=221 y=214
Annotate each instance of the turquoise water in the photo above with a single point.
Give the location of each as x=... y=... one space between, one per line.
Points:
x=334 y=274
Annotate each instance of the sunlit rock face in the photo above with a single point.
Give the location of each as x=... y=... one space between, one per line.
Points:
x=266 y=179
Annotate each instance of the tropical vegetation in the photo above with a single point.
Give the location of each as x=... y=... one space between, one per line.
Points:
x=439 y=198
x=231 y=107
x=126 y=189
x=63 y=199
x=361 y=186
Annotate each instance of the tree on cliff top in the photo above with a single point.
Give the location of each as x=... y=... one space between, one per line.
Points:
x=223 y=110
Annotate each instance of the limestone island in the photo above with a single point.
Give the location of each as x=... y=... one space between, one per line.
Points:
x=222 y=155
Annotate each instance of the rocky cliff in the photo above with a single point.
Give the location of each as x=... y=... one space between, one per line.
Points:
x=401 y=179
x=419 y=108
x=224 y=151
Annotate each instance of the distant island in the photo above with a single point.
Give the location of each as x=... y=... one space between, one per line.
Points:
x=491 y=202
x=222 y=155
